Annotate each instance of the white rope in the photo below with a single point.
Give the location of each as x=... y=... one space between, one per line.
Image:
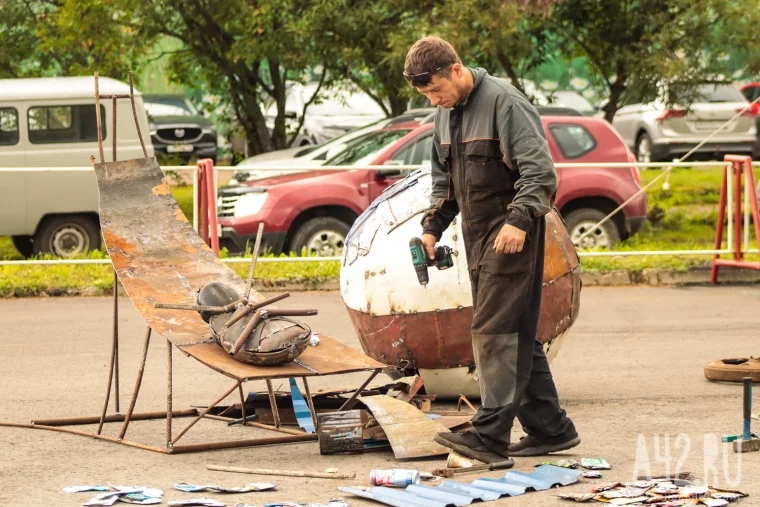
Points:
x=669 y=167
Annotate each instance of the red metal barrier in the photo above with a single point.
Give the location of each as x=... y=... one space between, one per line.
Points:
x=206 y=209
x=739 y=166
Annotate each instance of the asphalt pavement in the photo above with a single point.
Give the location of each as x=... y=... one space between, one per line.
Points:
x=630 y=374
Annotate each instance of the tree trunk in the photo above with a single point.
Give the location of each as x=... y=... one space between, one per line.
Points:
x=510 y=70
x=616 y=91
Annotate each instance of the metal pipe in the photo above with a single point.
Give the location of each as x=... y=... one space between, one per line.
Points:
x=169 y=394
x=138 y=382
x=134 y=112
x=310 y=402
x=246 y=333
x=273 y=404
x=85 y=434
x=239 y=314
x=214 y=446
x=242 y=403
x=97 y=120
x=254 y=258
x=139 y=416
x=350 y=402
x=291 y=312
x=206 y=411
x=747 y=434
x=117 y=391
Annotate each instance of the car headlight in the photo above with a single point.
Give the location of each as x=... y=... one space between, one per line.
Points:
x=250 y=204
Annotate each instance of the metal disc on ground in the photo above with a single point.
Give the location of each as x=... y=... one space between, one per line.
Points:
x=733 y=369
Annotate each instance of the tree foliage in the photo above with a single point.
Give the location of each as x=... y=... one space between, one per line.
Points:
x=646 y=48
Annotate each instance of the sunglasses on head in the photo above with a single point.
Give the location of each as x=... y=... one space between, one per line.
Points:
x=423 y=78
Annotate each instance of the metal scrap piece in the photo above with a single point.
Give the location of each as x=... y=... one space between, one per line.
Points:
x=457 y=494
x=409 y=430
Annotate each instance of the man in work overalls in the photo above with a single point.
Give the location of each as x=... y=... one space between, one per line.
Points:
x=491 y=162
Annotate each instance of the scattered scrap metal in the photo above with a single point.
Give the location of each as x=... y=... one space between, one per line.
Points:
x=452 y=493
x=663 y=492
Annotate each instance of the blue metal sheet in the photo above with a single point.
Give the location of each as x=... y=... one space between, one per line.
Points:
x=459 y=494
x=484 y=495
x=442 y=495
x=303 y=414
x=395 y=497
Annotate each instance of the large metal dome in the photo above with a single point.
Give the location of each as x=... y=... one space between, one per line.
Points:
x=427 y=330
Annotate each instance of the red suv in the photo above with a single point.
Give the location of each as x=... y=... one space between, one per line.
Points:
x=314 y=210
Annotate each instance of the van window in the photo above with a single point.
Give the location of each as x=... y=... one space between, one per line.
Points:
x=8 y=126
x=573 y=140
x=65 y=124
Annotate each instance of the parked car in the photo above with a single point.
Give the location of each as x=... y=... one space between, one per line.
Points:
x=334 y=113
x=314 y=210
x=51 y=123
x=304 y=157
x=573 y=100
x=177 y=128
x=752 y=92
x=656 y=133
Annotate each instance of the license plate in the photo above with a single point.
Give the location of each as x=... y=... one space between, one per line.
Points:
x=179 y=148
x=709 y=125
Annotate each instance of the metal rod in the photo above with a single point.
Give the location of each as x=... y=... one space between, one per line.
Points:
x=169 y=394
x=293 y=312
x=85 y=434
x=198 y=308
x=283 y=473
x=117 y=391
x=206 y=411
x=97 y=118
x=214 y=446
x=134 y=113
x=239 y=314
x=254 y=258
x=246 y=333
x=273 y=404
x=110 y=372
x=263 y=426
x=269 y=301
x=310 y=402
x=242 y=403
x=113 y=130
x=139 y=416
x=138 y=382
x=747 y=434
x=350 y=402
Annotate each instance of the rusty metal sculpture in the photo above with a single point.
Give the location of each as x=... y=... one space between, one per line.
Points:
x=426 y=330
x=164 y=266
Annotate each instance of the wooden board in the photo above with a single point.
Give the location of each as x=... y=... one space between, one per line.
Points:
x=409 y=431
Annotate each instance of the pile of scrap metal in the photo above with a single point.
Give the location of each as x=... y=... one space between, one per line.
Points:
x=663 y=491
x=425 y=330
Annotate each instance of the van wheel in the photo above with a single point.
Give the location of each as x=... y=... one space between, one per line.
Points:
x=321 y=236
x=65 y=236
x=24 y=245
x=580 y=221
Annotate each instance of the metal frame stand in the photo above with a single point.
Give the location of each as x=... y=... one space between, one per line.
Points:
x=243 y=308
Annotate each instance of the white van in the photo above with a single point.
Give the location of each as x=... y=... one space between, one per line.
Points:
x=49 y=124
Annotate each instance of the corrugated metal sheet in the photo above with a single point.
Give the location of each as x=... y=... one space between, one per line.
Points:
x=456 y=494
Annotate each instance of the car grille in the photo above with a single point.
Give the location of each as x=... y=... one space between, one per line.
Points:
x=179 y=134
x=226 y=206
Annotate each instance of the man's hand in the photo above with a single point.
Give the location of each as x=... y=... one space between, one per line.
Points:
x=510 y=240
x=429 y=241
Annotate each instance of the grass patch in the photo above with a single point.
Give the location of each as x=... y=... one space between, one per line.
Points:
x=682 y=217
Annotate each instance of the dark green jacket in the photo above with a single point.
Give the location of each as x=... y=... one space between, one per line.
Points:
x=500 y=136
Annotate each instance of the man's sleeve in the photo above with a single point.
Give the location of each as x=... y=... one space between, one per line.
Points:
x=443 y=204
x=523 y=143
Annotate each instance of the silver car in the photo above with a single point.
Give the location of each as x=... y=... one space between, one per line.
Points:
x=656 y=133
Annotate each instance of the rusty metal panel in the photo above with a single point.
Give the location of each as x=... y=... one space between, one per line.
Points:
x=409 y=431
x=161 y=259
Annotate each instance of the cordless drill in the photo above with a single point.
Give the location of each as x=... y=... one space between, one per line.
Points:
x=421 y=261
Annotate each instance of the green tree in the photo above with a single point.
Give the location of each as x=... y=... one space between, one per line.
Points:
x=640 y=46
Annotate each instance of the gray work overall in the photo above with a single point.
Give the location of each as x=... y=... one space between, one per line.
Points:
x=476 y=146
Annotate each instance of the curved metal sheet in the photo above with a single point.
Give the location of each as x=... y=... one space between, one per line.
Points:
x=161 y=259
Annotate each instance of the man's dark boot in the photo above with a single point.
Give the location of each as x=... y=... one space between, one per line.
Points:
x=469 y=444
x=537 y=445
